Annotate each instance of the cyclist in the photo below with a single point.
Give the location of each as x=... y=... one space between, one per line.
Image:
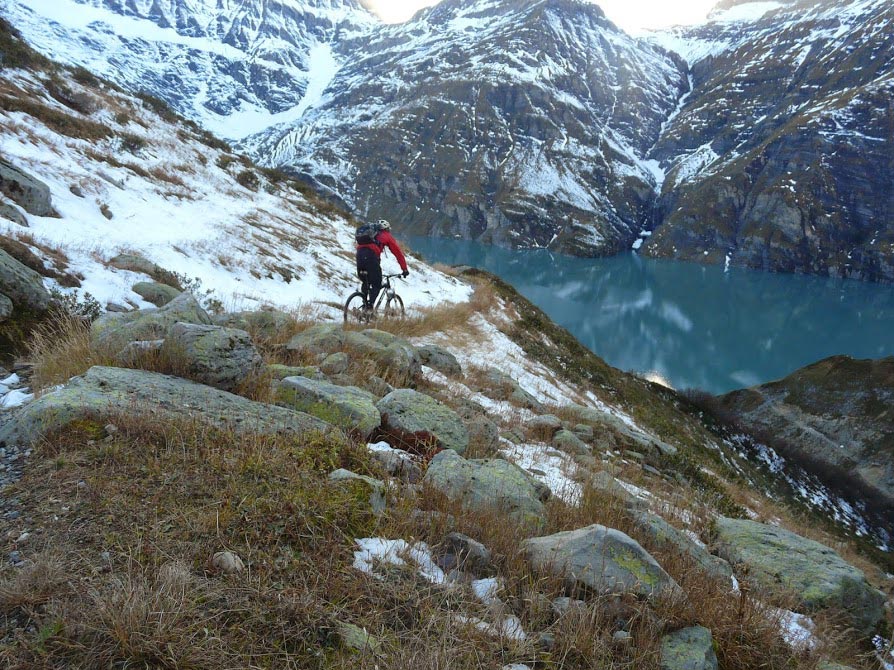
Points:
x=369 y=265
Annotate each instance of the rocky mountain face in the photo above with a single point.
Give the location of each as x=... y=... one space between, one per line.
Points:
x=520 y=123
x=762 y=138
x=837 y=413
x=781 y=158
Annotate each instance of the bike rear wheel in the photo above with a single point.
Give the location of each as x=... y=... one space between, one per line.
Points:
x=394 y=307
x=354 y=311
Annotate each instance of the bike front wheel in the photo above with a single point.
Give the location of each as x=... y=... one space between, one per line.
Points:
x=394 y=307
x=354 y=309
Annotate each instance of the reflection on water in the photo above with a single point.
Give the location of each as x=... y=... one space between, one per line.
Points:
x=695 y=326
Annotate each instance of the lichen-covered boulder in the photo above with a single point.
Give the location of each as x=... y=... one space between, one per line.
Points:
x=415 y=417
x=487 y=484
x=156 y=293
x=103 y=394
x=600 y=558
x=221 y=357
x=134 y=263
x=321 y=338
x=348 y=407
x=688 y=649
x=22 y=285
x=776 y=559
x=662 y=533
x=112 y=331
x=439 y=359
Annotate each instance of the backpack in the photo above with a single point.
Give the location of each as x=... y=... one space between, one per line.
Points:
x=366 y=234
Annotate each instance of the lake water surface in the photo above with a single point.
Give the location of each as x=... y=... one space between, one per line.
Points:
x=694 y=326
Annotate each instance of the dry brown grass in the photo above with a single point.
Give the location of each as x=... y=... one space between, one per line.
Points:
x=445 y=318
x=60 y=349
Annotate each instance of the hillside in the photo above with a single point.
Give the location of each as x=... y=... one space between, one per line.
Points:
x=468 y=487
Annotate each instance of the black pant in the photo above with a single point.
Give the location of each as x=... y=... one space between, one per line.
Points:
x=369 y=269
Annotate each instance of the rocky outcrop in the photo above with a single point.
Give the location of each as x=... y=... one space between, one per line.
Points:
x=22 y=285
x=599 y=558
x=776 y=560
x=224 y=358
x=102 y=395
x=487 y=484
x=688 y=649
x=262 y=324
x=416 y=418
x=835 y=413
x=112 y=331
x=29 y=193
x=348 y=407
x=625 y=432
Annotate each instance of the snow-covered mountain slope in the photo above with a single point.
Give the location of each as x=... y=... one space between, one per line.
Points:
x=234 y=67
x=762 y=138
x=124 y=180
x=781 y=158
x=522 y=122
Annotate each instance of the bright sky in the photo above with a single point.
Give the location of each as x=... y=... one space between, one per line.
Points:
x=632 y=15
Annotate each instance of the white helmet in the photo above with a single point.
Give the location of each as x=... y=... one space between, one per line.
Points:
x=383 y=224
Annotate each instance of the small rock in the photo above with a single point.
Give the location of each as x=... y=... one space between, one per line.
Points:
x=227 y=562
x=622 y=638
x=546 y=641
x=15 y=557
x=470 y=554
x=76 y=190
x=335 y=364
x=23 y=537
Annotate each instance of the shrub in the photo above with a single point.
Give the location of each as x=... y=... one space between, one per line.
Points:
x=248 y=179
x=85 y=77
x=75 y=100
x=132 y=143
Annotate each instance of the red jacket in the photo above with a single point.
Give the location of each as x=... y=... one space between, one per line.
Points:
x=386 y=239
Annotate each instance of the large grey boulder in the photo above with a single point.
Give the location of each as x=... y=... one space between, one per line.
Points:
x=439 y=359
x=156 y=293
x=606 y=484
x=26 y=191
x=221 y=357
x=134 y=263
x=348 y=407
x=103 y=394
x=114 y=330
x=775 y=559
x=6 y=307
x=487 y=484
x=415 y=417
x=600 y=558
x=662 y=533
x=688 y=649
x=22 y=285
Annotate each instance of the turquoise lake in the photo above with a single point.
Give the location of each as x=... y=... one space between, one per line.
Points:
x=693 y=326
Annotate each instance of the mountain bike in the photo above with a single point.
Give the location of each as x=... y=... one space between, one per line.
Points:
x=389 y=305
